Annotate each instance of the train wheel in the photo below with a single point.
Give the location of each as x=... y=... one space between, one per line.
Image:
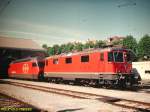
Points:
x=107 y=84
x=122 y=84
x=93 y=83
x=58 y=80
x=77 y=82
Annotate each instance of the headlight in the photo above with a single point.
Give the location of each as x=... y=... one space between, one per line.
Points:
x=136 y=77
x=122 y=77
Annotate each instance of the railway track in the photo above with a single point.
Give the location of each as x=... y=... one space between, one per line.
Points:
x=9 y=104
x=124 y=103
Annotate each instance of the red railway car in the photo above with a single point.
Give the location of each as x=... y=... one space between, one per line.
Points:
x=109 y=66
x=28 y=68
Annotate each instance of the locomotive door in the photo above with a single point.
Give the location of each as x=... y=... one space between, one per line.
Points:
x=109 y=62
x=102 y=63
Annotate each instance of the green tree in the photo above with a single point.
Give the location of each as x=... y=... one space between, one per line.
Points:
x=100 y=44
x=63 y=48
x=89 y=44
x=70 y=47
x=130 y=43
x=45 y=46
x=120 y=43
x=78 y=46
x=50 y=51
x=144 y=46
x=57 y=49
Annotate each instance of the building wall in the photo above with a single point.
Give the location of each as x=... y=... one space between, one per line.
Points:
x=143 y=68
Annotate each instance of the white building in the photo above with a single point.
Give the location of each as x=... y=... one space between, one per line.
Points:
x=143 y=69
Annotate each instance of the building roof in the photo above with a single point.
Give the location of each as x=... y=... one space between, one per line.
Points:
x=19 y=43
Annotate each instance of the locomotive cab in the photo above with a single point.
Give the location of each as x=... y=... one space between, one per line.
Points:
x=27 y=68
x=121 y=61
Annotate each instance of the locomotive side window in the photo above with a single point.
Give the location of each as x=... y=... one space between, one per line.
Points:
x=110 y=57
x=102 y=56
x=85 y=58
x=34 y=64
x=68 y=60
x=55 y=61
x=147 y=71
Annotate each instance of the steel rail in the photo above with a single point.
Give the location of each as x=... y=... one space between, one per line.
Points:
x=137 y=105
x=16 y=104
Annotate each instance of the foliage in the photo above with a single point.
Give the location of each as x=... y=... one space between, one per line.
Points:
x=120 y=42
x=67 y=47
x=130 y=43
x=75 y=46
x=94 y=44
x=50 y=51
x=88 y=44
x=45 y=46
x=144 y=47
x=100 y=44
x=56 y=49
x=78 y=46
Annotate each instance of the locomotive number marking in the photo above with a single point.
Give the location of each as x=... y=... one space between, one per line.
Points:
x=25 y=68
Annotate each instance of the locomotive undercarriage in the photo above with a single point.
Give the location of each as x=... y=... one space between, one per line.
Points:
x=128 y=80
x=104 y=81
x=120 y=81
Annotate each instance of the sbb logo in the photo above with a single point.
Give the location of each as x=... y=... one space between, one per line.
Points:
x=25 y=68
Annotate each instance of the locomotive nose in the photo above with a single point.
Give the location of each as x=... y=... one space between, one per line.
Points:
x=122 y=68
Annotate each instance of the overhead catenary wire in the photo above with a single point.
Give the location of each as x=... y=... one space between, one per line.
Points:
x=5 y=6
x=125 y=3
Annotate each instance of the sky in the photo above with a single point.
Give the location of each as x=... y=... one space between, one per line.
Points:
x=60 y=21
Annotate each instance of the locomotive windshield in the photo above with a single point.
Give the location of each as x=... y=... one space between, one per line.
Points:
x=118 y=56
x=115 y=56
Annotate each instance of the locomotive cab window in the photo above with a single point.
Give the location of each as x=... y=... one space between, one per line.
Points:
x=115 y=57
x=102 y=56
x=118 y=56
x=34 y=64
x=68 y=60
x=55 y=61
x=85 y=58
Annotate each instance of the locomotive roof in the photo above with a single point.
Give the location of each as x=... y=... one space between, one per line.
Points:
x=26 y=59
x=88 y=51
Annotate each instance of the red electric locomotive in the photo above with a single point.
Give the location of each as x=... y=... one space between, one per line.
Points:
x=108 y=66
x=28 y=68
